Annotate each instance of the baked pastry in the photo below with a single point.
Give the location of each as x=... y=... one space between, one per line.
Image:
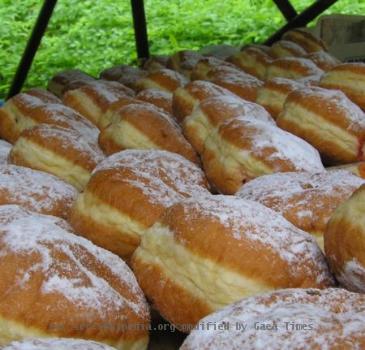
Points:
x=292 y=68
x=58 y=151
x=44 y=95
x=253 y=60
x=159 y=98
x=274 y=92
x=211 y=112
x=67 y=79
x=234 y=249
x=92 y=100
x=285 y=48
x=221 y=51
x=296 y=319
x=357 y=168
x=305 y=199
x=155 y=63
x=56 y=344
x=242 y=149
x=56 y=284
x=344 y=242
x=184 y=61
x=323 y=60
x=241 y=84
x=124 y=74
x=328 y=120
x=305 y=39
x=186 y=98
x=36 y=191
x=149 y=181
x=349 y=78
x=143 y=126
x=5 y=148
x=162 y=79
x=205 y=65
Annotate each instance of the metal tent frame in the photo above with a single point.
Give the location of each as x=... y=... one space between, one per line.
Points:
x=140 y=29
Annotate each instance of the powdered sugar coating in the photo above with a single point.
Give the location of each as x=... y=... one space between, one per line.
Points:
x=37 y=191
x=56 y=344
x=333 y=319
x=5 y=148
x=232 y=76
x=352 y=276
x=63 y=263
x=170 y=177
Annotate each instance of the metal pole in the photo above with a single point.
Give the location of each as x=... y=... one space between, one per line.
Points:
x=286 y=8
x=140 y=28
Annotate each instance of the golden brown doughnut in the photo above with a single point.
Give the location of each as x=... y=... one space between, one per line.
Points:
x=252 y=60
x=295 y=319
x=274 y=92
x=241 y=84
x=159 y=98
x=162 y=79
x=285 y=48
x=150 y=181
x=205 y=65
x=92 y=100
x=5 y=148
x=305 y=39
x=305 y=199
x=323 y=60
x=63 y=81
x=186 y=98
x=59 y=151
x=349 y=78
x=357 y=168
x=207 y=252
x=56 y=284
x=124 y=74
x=184 y=61
x=143 y=126
x=292 y=68
x=44 y=95
x=211 y=112
x=36 y=191
x=243 y=149
x=155 y=63
x=328 y=120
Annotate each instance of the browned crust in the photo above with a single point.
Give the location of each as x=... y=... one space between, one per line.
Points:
x=308 y=41
x=158 y=98
x=124 y=74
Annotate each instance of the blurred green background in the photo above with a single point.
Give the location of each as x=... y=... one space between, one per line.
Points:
x=93 y=35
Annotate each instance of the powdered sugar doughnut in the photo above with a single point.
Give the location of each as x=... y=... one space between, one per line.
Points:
x=5 y=148
x=56 y=284
x=242 y=149
x=207 y=252
x=159 y=98
x=305 y=39
x=307 y=200
x=205 y=65
x=285 y=48
x=184 y=61
x=149 y=181
x=296 y=319
x=323 y=60
x=357 y=168
x=124 y=74
x=59 y=151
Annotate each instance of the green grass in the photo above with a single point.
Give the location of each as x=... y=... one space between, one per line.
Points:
x=92 y=35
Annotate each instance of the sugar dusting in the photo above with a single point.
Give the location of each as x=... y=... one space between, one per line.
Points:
x=5 y=148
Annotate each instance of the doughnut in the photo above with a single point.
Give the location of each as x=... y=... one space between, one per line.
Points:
x=205 y=65
x=296 y=319
x=149 y=181
x=159 y=98
x=58 y=151
x=357 y=168
x=155 y=63
x=62 y=81
x=143 y=126
x=305 y=199
x=242 y=149
x=241 y=84
x=124 y=74
x=349 y=78
x=310 y=80
x=221 y=51
x=36 y=191
x=292 y=68
x=211 y=112
x=56 y=344
x=285 y=48
x=328 y=120
x=57 y=284
x=92 y=100
x=44 y=95
x=163 y=79
x=184 y=61
x=305 y=39
x=186 y=98
x=274 y=92
x=207 y=252
x=5 y=148
x=323 y=60
x=252 y=60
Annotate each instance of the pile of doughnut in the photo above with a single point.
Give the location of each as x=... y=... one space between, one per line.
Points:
x=221 y=196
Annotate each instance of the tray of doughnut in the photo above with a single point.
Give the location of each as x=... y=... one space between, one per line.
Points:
x=201 y=201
